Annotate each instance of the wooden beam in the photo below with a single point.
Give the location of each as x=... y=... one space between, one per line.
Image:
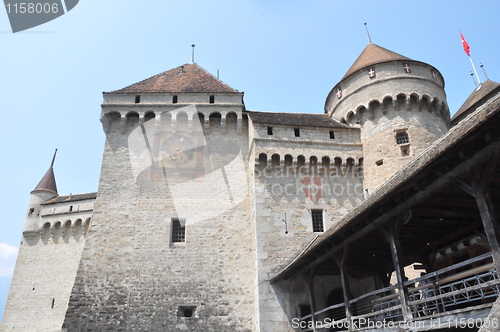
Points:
x=487 y=211
x=464 y=186
x=491 y=166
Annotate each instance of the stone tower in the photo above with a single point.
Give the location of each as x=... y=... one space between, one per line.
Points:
x=399 y=104
x=170 y=246
x=44 y=191
x=53 y=238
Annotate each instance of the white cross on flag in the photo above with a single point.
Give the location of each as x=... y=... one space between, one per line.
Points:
x=339 y=93
x=407 y=68
x=371 y=73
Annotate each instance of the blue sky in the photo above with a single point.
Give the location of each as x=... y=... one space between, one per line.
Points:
x=285 y=56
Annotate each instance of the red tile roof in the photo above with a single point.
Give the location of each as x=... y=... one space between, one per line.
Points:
x=186 y=78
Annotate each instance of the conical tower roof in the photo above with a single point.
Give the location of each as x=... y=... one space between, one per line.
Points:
x=372 y=55
x=48 y=182
x=186 y=78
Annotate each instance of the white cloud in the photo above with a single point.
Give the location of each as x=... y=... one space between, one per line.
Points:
x=7 y=251
x=8 y=255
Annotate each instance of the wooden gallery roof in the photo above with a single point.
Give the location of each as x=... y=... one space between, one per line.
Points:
x=430 y=193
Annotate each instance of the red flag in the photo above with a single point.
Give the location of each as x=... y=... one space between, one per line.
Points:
x=465 y=45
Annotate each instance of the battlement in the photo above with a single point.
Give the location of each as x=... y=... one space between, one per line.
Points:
x=61 y=217
x=176 y=120
x=312 y=165
x=389 y=105
x=371 y=80
x=64 y=230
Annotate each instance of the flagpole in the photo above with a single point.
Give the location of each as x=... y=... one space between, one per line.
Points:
x=474 y=67
x=467 y=51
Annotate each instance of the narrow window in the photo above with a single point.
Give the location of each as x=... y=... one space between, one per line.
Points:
x=53 y=302
x=32 y=210
x=186 y=311
x=332 y=134
x=212 y=99
x=174 y=99
x=70 y=208
x=269 y=130
x=317 y=220
x=178 y=231
x=402 y=138
x=305 y=310
x=137 y=99
x=297 y=132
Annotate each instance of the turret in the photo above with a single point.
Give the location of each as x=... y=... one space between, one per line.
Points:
x=45 y=190
x=398 y=103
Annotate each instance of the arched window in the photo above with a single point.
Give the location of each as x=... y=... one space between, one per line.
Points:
x=275 y=160
x=262 y=160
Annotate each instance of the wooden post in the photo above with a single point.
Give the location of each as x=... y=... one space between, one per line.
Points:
x=392 y=235
x=487 y=211
x=310 y=292
x=346 y=289
x=399 y=269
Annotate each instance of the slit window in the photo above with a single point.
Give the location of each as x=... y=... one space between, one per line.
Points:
x=297 y=132
x=402 y=138
x=332 y=134
x=186 y=311
x=317 y=220
x=174 y=99
x=269 y=130
x=70 y=208
x=212 y=99
x=32 y=210
x=178 y=231
x=137 y=99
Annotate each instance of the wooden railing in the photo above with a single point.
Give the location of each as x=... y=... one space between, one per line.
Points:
x=462 y=287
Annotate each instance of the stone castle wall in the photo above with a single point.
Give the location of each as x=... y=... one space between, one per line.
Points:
x=294 y=176
x=132 y=276
x=46 y=269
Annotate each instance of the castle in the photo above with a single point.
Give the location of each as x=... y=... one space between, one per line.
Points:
x=211 y=217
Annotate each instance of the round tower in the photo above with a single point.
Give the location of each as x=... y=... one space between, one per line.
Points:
x=398 y=103
x=45 y=190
